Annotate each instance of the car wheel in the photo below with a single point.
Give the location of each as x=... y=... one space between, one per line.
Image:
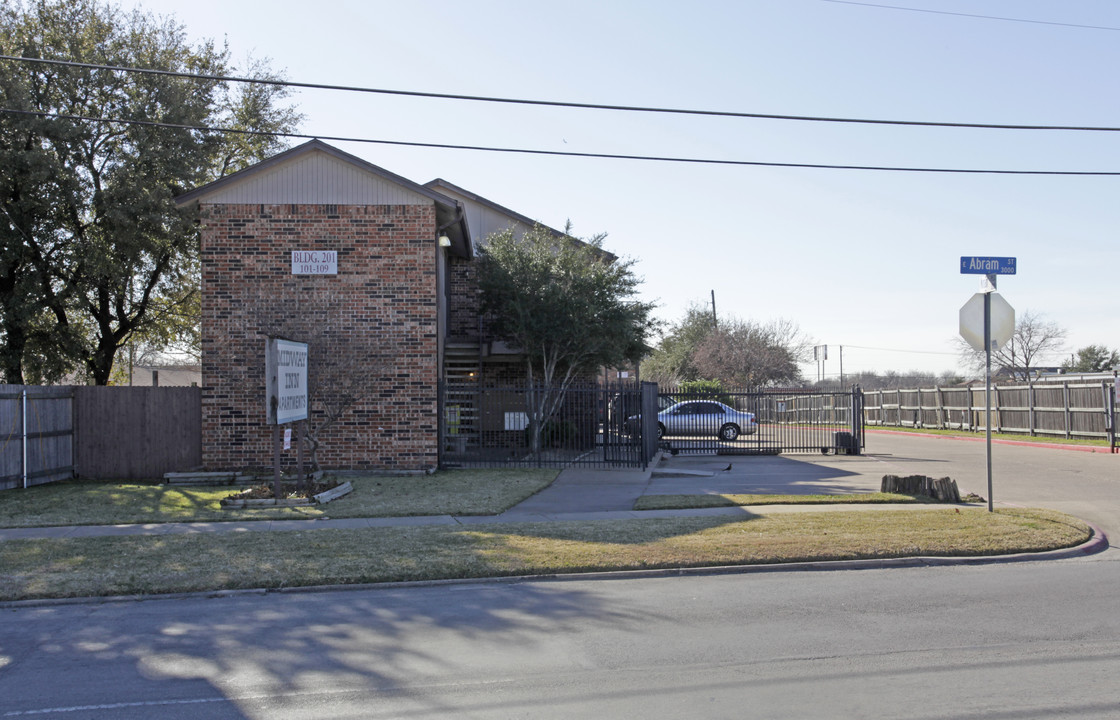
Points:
x=660 y=431
x=728 y=432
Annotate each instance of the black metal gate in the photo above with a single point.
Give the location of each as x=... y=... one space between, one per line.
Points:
x=762 y=422
x=483 y=426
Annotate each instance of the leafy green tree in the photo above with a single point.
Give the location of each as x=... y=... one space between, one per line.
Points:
x=671 y=362
x=1091 y=359
x=702 y=390
x=738 y=353
x=568 y=305
x=95 y=252
x=700 y=387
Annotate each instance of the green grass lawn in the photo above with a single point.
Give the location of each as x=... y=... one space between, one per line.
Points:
x=679 y=502
x=153 y=564
x=450 y=492
x=205 y=562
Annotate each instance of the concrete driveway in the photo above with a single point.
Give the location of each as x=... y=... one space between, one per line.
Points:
x=766 y=474
x=1084 y=484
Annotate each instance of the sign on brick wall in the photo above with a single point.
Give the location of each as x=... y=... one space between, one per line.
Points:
x=314 y=262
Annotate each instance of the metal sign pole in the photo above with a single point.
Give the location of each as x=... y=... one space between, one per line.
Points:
x=988 y=388
x=301 y=484
x=276 y=461
x=1005 y=317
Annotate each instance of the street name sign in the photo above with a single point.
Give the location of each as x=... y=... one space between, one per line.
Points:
x=987 y=265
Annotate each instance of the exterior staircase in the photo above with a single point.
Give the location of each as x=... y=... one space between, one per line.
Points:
x=462 y=367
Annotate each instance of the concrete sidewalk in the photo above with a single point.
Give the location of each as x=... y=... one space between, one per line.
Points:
x=580 y=494
x=576 y=494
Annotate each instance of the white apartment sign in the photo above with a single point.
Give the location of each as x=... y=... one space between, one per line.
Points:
x=314 y=262
x=286 y=380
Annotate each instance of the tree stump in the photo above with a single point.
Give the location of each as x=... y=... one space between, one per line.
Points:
x=944 y=489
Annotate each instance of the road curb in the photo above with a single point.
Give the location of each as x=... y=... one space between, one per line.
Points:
x=1097 y=542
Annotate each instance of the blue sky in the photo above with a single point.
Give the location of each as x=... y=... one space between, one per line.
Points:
x=866 y=260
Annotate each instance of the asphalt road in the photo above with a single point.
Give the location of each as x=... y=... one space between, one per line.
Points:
x=1034 y=640
x=1024 y=640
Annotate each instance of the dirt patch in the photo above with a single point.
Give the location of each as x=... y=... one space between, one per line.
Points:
x=290 y=496
x=288 y=491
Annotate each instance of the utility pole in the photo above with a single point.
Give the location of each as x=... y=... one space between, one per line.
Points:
x=715 y=322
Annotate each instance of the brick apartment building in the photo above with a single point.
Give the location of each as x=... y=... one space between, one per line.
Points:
x=386 y=300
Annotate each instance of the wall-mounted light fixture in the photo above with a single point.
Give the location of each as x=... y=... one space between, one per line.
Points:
x=444 y=241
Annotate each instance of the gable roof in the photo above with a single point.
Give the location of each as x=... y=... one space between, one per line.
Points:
x=440 y=184
x=255 y=180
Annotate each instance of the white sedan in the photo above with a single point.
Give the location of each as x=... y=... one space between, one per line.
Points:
x=705 y=417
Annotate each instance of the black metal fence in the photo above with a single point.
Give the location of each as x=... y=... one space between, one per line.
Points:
x=484 y=426
x=761 y=422
x=625 y=425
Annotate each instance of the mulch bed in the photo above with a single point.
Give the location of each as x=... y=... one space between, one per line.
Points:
x=288 y=490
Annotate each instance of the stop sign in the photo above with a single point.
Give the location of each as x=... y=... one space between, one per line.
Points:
x=972 y=321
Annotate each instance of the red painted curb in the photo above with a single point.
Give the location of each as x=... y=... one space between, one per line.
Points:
x=1021 y=443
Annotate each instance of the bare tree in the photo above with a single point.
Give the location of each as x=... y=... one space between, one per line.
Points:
x=751 y=354
x=1034 y=338
x=342 y=373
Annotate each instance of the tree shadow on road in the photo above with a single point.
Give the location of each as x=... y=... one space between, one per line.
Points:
x=254 y=655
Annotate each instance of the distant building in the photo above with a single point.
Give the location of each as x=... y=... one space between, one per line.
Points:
x=1023 y=373
x=166 y=375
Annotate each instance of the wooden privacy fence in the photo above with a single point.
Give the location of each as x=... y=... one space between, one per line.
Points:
x=53 y=433
x=137 y=432
x=36 y=435
x=1068 y=410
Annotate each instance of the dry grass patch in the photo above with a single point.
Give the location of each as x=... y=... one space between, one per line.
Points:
x=684 y=502
x=79 y=502
x=483 y=491
x=462 y=492
x=146 y=565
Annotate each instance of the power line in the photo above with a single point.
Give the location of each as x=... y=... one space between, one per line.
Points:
x=913 y=352
x=971 y=15
x=562 y=153
x=562 y=104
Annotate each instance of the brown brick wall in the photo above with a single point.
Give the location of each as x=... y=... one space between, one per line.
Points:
x=372 y=329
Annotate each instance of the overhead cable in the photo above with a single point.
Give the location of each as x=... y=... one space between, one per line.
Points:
x=915 y=352
x=560 y=153
x=562 y=104
x=972 y=15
